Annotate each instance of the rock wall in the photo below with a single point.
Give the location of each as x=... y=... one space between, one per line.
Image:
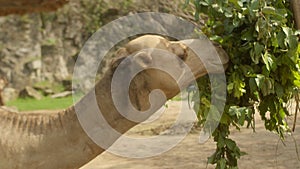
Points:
x=42 y=47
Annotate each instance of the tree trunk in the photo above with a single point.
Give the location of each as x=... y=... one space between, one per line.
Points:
x=296 y=10
x=29 y=6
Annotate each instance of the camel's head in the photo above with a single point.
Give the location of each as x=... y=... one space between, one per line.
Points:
x=156 y=63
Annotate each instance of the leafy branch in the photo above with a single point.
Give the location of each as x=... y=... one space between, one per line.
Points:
x=264 y=70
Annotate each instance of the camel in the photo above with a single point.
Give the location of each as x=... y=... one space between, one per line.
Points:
x=57 y=140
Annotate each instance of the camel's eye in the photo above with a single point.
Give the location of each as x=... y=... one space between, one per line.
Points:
x=183 y=56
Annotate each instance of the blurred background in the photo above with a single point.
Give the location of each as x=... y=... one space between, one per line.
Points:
x=38 y=49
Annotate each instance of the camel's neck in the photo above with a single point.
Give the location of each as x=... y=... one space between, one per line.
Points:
x=88 y=109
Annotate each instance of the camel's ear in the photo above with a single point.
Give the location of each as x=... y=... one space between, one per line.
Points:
x=121 y=52
x=142 y=59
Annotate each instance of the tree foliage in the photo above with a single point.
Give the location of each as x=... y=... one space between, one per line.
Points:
x=264 y=70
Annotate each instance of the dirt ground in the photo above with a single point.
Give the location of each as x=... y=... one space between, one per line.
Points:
x=264 y=149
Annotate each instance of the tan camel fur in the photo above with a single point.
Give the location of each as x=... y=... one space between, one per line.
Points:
x=57 y=140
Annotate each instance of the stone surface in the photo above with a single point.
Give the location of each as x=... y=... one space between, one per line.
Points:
x=9 y=94
x=62 y=94
x=30 y=92
x=48 y=92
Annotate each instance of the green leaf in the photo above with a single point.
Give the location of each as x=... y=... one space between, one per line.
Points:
x=297 y=78
x=230 y=144
x=233 y=111
x=266 y=58
x=221 y=142
x=198 y=9
x=280 y=15
x=258 y=52
x=241 y=119
x=254 y=5
x=263 y=108
x=296 y=75
x=268 y=10
x=266 y=85
x=205 y=101
x=274 y=41
x=291 y=38
x=222 y=163
x=230 y=87
x=225 y=119
x=186 y=3
x=248 y=71
x=252 y=84
x=269 y=61
x=281 y=39
x=279 y=90
x=282 y=113
x=247 y=34
x=258 y=49
x=217 y=38
x=237 y=3
x=211 y=159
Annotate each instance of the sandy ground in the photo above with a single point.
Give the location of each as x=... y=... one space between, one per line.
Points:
x=264 y=149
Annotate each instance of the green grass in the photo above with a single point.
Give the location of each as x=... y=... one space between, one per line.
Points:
x=46 y=103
